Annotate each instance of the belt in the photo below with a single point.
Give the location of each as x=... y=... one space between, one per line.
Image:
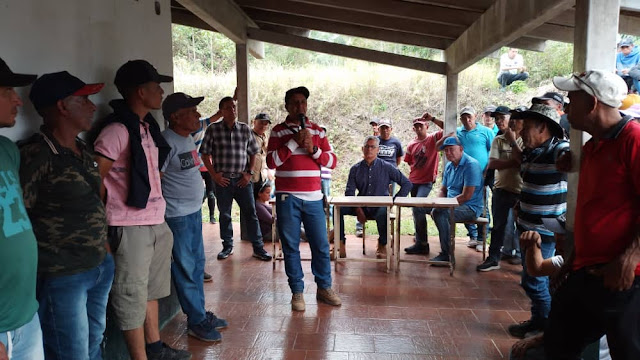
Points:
x=232 y=175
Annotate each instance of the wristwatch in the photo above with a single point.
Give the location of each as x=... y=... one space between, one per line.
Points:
x=251 y=172
x=315 y=149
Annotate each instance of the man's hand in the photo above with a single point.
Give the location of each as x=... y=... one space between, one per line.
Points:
x=301 y=136
x=618 y=275
x=308 y=144
x=220 y=180
x=427 y=116
x=624 y=71
x=563 y=162
x=510 y=135
x=529 y=239
x=3 y=352
x=246 y=180
x=362 y=218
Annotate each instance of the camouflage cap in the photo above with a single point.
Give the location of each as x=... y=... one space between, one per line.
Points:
x=542 y=112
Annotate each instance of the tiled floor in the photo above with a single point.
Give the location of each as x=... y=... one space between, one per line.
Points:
x=418 y=313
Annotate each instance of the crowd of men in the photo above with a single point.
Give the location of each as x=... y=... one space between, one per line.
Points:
x=118 y=217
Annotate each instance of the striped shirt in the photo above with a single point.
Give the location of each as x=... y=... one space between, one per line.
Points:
x=297 y=171
x=544 y=188
x=229 y=147
x=197 y=136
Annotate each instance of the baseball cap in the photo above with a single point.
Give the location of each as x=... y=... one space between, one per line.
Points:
x=549 y=96
x=543 y=112
x=374 y=121
x=626 y=42
x=501 y=110
x=264 y=117
x=489 y=109
x=10 y=79
x=384 y=122
x=138 y=72
x=468 y=110
x=177 y=101
x=518 y=109
x=298 y=90
x=49 y=88
x=419 y=120
x=557 y=224
x=605 y=86
x=450 y=141
x=633 y=111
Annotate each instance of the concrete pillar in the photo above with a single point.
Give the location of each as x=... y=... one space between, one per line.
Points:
x=242 y=74
x=451 y=103
x=594 y=48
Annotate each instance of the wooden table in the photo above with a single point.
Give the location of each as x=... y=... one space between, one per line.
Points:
x=430 y=202
x=359 y=201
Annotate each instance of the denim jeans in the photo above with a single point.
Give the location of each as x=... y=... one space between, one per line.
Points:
x=503 y=224
x=244 y=198
x=420 y=213
x=511 y=245
x=187 y=268
x=379 y=214
x=537 y=287
x=25 y=342
x=326 y=190
x=441 y=218
x=292 y=212
x=506 y=79
x=73 y=312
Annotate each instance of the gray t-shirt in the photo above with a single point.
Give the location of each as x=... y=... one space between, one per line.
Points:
x=182 y=185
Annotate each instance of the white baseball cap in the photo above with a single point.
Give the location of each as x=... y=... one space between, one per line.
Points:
x=606 y=86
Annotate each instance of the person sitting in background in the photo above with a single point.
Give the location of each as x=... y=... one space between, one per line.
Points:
x=627 y=62
x=371 y=177
x=264 y=211
x=511 y=68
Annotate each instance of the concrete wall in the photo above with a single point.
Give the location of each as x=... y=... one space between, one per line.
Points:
x=88 y=38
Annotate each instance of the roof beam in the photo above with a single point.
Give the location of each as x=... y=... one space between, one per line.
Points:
x=226 y=17
x=552 y=32
x=348 y=51
x=528 y=43
x=498 y=27
x=631 y=5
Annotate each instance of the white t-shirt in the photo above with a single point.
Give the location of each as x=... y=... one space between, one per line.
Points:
x=507 y=62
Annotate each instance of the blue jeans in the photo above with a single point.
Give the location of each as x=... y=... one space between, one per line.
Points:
x=506 y=79
x=292 y=212
x=73 y=312
x=512 y=244
x=420 y=213
x=379 y=214
x=441 y=218
x=187 y=268
x=537 y=287
x=503 y=202
x=26 y=341
x=326 y=190
x=244 y=198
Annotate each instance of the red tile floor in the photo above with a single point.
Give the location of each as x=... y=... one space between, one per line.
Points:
x=418 y=313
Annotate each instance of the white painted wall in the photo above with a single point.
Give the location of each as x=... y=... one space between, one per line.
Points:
x=88 y=38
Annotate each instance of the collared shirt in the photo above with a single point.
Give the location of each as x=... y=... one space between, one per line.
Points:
x=477 y=143
x=229 y=147
x=260 y=170
x=374 y=179
x=608 y=205
x=506 y=179
x=62 y=197
x=197 y=136
x=467 y=173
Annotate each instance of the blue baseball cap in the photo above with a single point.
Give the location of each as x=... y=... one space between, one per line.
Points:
x=450 y=141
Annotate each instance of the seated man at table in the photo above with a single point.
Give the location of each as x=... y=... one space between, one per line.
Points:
x=371 y=177
x=462 y=179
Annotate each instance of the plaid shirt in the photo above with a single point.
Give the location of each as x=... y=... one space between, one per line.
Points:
x=229 y=147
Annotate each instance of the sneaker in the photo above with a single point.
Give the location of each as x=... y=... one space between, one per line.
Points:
x=479 y=247
x=328 y=296
x=215 y=321
x=262 y=254
x=169 y=353
x=212 y=220
x=527 y=326
x=416 y=249
x=225 y=253
x=440 y=257
x=207 y=277
x=381 y=251
x=204 y=331
x=359 y=233
x=473 y=243
x=488 y=265
x=515 y=260
x=297 y=302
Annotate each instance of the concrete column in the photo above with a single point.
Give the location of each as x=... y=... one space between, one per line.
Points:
x=451 y=103
x=594 y=48
x=242 y=74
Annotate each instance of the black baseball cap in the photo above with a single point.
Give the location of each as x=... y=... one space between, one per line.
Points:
x=263 y=117
x=501 y=110
x=177 y=101
x=137 y=72
x=49 y=88
x=549 y=96
x=299 y=90
x=10 y=79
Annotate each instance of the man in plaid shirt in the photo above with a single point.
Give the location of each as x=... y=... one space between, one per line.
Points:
x=229 y=153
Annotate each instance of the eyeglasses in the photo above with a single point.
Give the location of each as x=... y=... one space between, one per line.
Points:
x=371 y=146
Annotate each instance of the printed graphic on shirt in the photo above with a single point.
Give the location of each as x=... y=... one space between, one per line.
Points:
x=386 y=151
x=189 y=160
x=12 y=211
x=420 y=157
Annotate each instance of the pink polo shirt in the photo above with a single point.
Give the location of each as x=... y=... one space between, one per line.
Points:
x=113 y=142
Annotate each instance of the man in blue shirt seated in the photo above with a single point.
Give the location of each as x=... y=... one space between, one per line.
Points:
x=462 y=179
x=371 y=177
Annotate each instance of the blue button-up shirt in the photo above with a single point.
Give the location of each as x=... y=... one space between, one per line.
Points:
x=467 y=173
x=374 y=180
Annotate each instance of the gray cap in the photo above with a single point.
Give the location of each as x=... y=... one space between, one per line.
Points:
x=468 y=110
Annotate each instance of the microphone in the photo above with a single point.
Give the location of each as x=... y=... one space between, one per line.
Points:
x=302 y=121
